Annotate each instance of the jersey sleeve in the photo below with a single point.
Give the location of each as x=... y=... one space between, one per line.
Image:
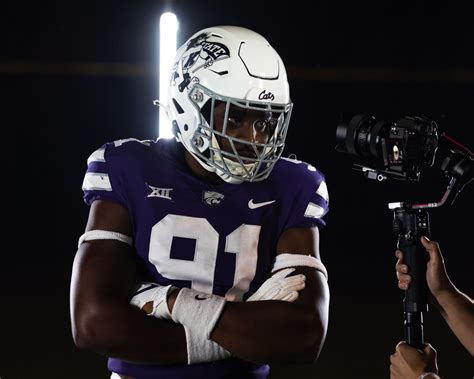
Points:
x=102 y=180
x=311 y=201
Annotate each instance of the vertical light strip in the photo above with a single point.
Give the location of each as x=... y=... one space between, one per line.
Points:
x=168 y=32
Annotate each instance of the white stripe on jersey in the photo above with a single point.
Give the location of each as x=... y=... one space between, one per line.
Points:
x=314 y=211
x=97 y=156
x=323 y=191
x=96 y=181
x=120 y=142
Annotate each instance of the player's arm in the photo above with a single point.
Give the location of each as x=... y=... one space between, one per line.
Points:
x=278 y=331
x=103 y=279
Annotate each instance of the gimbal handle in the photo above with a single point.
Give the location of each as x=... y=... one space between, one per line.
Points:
x=415 y=301
x=410 y=224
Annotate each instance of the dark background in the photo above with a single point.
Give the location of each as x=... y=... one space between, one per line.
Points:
x=76 y=74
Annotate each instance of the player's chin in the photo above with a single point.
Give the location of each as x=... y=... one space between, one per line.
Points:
x=248 y=160
x=247 y=157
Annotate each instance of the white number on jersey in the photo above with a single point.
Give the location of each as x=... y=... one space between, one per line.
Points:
x=243 y=242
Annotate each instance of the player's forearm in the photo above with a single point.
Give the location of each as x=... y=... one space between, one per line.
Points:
x=458 y=311
x=121 y=331
x=271 y=331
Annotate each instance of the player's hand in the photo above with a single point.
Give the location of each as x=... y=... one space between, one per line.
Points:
x=436 y=276
x=280 y=286
x=151 y=298
x=409 y=363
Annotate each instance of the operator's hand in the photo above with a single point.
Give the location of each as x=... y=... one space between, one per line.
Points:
x=409 y=363
x=436 y=276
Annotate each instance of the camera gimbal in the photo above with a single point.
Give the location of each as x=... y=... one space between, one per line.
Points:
x=410 y=222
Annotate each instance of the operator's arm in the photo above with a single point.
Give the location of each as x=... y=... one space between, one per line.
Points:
x=456 y=307
x=102 y=280
x=458 y=311
x=278 y=331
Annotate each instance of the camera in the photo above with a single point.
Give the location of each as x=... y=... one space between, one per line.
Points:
x=400 y=150
x=396 y=149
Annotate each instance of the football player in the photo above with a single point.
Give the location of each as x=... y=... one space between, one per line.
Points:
x=225 y=229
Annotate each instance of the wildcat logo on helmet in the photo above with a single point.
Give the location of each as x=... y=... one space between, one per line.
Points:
x=213 y=50
x=199 y=53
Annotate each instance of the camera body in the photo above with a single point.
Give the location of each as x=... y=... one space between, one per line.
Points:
x=399 y=149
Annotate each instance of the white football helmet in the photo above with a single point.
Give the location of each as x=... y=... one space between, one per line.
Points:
x=236 y=66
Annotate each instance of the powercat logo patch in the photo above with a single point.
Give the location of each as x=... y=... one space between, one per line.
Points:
x=212 y=198
x=199 y=53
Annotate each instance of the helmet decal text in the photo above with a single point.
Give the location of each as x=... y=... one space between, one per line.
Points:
x=199 y=53
x=266 y=96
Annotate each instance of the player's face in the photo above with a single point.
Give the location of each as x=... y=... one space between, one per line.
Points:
x=246 y=124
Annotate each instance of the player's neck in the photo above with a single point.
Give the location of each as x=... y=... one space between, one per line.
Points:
x=200 y=171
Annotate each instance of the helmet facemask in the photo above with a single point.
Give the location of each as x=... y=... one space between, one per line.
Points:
x=235 y=159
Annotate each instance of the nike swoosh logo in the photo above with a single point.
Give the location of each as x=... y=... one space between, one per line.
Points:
x=253 y=205
x=199 y=297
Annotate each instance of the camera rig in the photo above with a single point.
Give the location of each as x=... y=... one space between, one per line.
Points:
x=399 y=151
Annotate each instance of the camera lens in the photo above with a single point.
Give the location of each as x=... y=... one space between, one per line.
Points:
x=396 y=149
x=360 y=136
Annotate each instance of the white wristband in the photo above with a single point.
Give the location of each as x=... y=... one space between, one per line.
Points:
x=198 y=311
x=200 y=349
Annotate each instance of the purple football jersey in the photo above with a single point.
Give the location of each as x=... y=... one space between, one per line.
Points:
x=214 y=238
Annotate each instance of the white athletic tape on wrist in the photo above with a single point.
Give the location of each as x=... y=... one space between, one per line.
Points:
x=104 y=235
x=198 y=311
x=294 y=260
x=155 y=293
x=280 y=286
x=200 y=349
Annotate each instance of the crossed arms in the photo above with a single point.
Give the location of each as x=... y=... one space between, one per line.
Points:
x=104 y=276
